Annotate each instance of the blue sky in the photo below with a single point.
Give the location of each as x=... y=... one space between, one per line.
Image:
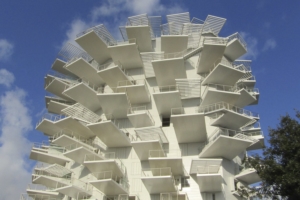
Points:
x=32 y=32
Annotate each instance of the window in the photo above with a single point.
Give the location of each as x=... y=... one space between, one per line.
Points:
x=165 y=121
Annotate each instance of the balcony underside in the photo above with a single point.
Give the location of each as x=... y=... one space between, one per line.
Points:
x=79 y=153
x=159 y=184
x=165 y=101
x=210 y=182
x=214 y=96
x=48 y=158
x=56 y=107
x=112 y=76
x=104 y=165
x=233 y=146
x=234 y=50
x=166 y=71
x=48 y=127
x=58 y=66
x=174 y=163
x=209 y=56
x=248 y=83
x=231 y=120
x=115 y=104
x=137 y=94
x=110 y=134
x=74 y=191
x=142 y=148
x=256 y=101
x=142 y=35
x=77 y=127
x=189 y=127
x=42 y=195
x=223 y=75
x=121 y=53
x=205 y=163
x=57 y=87
x=109 y=187
x=140 y=119
x=257 y=145
x=248 y=176
x=245 y=99
x=48 y=181
x=65 y=140
x=84 y=95
x=174 y=43
x=94 y=46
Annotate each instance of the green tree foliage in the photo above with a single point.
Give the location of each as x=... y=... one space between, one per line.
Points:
x=279 y=166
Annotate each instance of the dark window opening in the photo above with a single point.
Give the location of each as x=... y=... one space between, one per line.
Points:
x=165 y=121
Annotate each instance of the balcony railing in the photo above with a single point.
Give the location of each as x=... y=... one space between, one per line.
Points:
x=255 y=125
x=48 y=148
x=239 y=38
x=211 y=169
x=215 y=41
x=122 y=42
x=70 y=53
x=139 y=110
x=168 y=88
x=109 y=175
x=153 y=172
x=169 y=153
x=222 y=105
x=80 y=112
x=50 y=117
x=224 y=88
x=173 y=196
x=121 y=197
x=77 y=183
x=38 y=197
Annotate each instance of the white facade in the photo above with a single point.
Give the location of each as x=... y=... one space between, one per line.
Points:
x=158 y=116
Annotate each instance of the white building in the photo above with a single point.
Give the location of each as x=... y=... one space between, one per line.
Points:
x=158 y=116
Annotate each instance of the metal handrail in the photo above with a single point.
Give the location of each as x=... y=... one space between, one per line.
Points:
x=170 y=153
x=50 y=117
x=167 y=88
x=215 y=40
x=226 y=106
x=210 y=169
x=239 y=38
x=109 y=175
x=150 y=172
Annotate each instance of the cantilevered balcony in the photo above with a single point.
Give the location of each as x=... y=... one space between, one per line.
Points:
x=225 y=73
x=236 y=47
x=228 y=116
x=47 y=124
x=169 y=69
x=84 y=93
x=41 y=192
x=110 y=184
x=173 y=196
x=146 y=139
x=55 y=105
x=77 y=152
x=209 y=174
x=249 y=96
x=257 y=135
x=137 y=90
x=233 y=141
x=121 y=51
x=113 y=73
x=58 y=66
x=48 y=154
x=75 y=188
x=95 y=41
x=214 y=93
x=213 y=49
x=110 y=163
x=189 y=125
x=166 y=98
x=85 y=70
x=122 y=197
x=247 y=175
x=140 y=117
x=110 y=131
x=159 y=180
x=139 y=27
x=167 y=158
x=56 y=86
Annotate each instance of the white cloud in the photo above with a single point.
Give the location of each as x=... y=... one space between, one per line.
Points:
x=6 y=78
x=252 y=49
x=269 y=45
x=14 y=147
x=76 y=27
x=6 y=49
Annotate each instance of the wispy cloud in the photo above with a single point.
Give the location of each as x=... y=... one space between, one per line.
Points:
x=6 y=78
x=14 y=147
x=253 y=49
x=269 y=45
x=6 y=49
